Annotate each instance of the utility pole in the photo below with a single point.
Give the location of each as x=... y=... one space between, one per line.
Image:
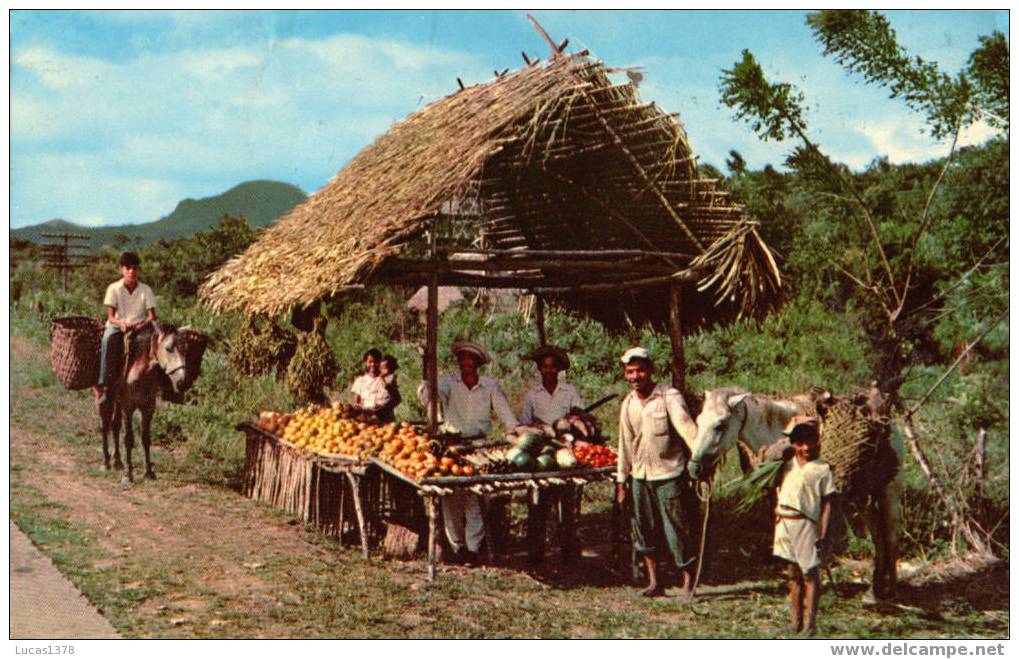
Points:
x=60 y=255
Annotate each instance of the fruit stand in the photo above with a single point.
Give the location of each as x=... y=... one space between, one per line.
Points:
x=333 y=466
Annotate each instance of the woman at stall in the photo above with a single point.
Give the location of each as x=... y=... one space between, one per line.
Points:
x=369 y=391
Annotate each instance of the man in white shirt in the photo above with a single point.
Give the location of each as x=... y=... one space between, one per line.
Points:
x=130 y=306
x=467 y=401
x=547 y=402
x=550 y=400
x=656 y=432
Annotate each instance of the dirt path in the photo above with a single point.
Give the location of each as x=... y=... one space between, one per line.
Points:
x=44 y=604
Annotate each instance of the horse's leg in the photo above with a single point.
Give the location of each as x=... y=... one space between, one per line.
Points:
x=883 y=519
x=103 y=411
x=115 y=421
x=128 y=443
x=147 y=412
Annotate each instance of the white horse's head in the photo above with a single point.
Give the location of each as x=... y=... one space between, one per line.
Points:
x=718 y=428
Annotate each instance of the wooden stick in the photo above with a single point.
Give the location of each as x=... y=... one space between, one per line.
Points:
x=356 y=492
x=649 y=181
x=551 y=44
x=569 y=253
x=676 y=335
x=539 y=318
x=433 y=536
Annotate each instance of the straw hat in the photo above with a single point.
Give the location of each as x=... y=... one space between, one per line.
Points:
x=562 y=359
x=472 y=348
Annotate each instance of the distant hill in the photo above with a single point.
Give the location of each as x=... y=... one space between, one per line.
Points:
x=261 y=203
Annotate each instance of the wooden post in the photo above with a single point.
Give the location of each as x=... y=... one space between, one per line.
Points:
x=676 y=335
x=355 y=490
x=433 y=536
x=539 y=318
x=431 y=345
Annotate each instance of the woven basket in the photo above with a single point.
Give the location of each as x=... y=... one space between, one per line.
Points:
x=74 y=350
x=857 y=447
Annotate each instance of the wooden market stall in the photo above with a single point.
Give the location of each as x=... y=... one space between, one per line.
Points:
x=553 y=180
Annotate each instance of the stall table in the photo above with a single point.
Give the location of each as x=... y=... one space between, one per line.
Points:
x=430 y=489
x=310 y=485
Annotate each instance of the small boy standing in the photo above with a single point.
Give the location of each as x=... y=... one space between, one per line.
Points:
x=801 y=520
x=130 y=306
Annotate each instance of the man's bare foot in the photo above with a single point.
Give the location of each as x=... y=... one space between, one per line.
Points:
x=652 y=591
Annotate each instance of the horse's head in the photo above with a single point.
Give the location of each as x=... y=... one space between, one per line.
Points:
x=718 y=428
x=167 y=353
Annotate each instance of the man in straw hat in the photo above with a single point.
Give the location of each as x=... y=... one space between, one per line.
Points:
x=801 y=519
x=549 y=400
x=546 y=402
x=467 y=400
x=655 y=436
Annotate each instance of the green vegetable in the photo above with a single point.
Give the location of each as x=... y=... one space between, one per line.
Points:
x=565 y=459
x=545 y=462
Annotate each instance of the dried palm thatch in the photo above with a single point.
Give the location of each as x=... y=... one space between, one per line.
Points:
x=552 y=157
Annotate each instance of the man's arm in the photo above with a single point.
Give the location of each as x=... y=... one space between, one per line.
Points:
x=623 y=461
x=527 y=413
x=502 y=408
x=679 y=417
x=111 y=315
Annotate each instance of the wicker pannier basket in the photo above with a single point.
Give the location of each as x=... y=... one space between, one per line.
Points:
x=74 y=350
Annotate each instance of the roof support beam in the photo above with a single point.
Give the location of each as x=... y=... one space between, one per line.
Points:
x=643 y=174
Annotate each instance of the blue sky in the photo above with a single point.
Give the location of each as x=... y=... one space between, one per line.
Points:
x=118 y=115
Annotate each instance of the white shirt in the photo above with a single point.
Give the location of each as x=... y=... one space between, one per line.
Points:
x=804 y=486
x=543 y=407
x=470 y=410
x=372 y=391
x=130 y=306
x=647 y=448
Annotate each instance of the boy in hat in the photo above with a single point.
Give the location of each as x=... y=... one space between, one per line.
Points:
x=801 y=520
x=467 y=401
x=130 y=306
x=655 y=435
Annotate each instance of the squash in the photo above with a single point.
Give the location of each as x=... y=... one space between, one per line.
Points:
x=545 y=462
x=565 y=459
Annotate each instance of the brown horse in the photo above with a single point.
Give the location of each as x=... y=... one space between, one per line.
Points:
x=154 y=362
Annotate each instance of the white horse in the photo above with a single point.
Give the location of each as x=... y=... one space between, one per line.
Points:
x=735 y=417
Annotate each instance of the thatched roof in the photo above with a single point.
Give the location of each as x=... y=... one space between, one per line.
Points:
x=551 y=157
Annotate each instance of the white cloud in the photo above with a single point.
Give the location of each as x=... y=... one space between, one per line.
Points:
x=124 y=140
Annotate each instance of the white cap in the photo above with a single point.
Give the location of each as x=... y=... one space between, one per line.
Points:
x=635 y=353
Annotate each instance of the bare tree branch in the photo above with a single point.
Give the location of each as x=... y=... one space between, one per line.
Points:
x=957 y=361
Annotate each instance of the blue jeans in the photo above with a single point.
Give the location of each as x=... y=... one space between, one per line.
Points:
x=110 y=332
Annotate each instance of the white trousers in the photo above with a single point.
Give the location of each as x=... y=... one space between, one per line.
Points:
x=465 y=525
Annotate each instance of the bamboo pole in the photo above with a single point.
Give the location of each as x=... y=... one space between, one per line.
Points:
x=647 y=179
